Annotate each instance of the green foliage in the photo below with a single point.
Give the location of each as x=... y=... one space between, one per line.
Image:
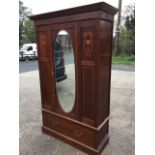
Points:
x=127 y=33
x=26 y=27
x=126 y=42
x=125 y=60
x=29 y=32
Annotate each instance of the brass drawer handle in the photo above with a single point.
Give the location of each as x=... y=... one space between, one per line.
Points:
x=78 y=134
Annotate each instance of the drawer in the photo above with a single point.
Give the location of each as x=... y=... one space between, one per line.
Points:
x=70 y=129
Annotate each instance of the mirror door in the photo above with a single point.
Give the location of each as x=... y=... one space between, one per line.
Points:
x=64 y=68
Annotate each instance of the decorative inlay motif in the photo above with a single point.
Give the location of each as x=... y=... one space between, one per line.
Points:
x=88 y=43
x=42 y=40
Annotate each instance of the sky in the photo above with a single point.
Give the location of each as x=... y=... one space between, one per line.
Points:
x=42 y=6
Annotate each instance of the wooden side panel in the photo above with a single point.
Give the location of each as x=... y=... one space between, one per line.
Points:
x=102 y=133
x=103 y=89
x=104 y=70
x=105 y=37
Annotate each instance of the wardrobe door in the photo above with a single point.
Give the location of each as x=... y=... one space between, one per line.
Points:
x=64 y=58
x=45 y=67
x=87 y=37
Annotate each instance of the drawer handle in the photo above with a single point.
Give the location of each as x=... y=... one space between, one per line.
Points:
x=78 y=134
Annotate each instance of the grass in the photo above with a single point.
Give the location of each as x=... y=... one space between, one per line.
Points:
x=123 y=60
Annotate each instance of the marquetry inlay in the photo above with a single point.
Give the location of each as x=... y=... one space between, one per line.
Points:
x=88 y=43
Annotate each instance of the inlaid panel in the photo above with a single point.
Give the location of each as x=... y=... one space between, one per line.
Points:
x=87 y=36
x=43 y=45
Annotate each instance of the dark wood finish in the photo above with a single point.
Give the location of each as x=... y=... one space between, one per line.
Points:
x=90 y=28
x=77 y=10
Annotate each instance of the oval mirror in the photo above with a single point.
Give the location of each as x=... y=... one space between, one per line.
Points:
x=65 y=70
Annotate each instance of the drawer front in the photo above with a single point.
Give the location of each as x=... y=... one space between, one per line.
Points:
x=72 y=130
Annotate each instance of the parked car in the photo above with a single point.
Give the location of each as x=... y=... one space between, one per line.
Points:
x=59 y=62
x=28 y=52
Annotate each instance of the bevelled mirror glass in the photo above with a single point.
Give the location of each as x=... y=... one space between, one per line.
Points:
x=64 y=70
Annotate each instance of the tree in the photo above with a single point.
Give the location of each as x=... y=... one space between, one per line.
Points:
x=130 y=17
x=24 y=12
x=127 y=32
x=130 y=25
x=116 y=47
x=29 y=31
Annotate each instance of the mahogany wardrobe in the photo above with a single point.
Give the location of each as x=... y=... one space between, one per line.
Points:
x=75 y=51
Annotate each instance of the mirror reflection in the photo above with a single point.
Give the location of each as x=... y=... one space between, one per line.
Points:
x=65 y=70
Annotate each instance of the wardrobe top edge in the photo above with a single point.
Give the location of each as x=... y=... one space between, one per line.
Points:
x=102 y=6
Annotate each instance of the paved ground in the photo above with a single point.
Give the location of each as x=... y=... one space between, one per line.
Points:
x=26 y=66
x=34 y=142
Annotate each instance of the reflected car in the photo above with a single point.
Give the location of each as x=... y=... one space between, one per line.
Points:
x=28 y=52
x=59 y=63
